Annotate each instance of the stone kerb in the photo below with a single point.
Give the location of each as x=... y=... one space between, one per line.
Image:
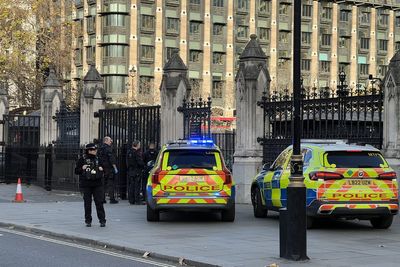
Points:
x=252 y=80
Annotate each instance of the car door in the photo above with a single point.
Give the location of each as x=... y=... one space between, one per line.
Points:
x=272 y=181
x=285 y=177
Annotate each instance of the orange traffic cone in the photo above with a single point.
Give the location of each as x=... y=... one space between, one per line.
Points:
x=19 y=197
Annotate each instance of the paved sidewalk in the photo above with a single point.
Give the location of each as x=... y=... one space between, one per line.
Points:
x=201 y=236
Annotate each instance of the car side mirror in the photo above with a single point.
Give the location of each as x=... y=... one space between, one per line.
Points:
x=267 y=166
x=151 y=163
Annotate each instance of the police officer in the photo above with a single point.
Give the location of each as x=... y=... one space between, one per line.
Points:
x=149 y=155
x=110 y=169
x=90 y=171
x=135 y=165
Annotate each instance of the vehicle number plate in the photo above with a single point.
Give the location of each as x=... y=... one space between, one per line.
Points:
x=191 y=179
x=359 y=182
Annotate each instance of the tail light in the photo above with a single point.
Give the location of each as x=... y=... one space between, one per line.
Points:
x=228 y=176
x=388 y=176
x=325 y=176
x=155 y=176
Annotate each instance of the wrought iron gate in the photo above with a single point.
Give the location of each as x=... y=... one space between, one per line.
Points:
x=352 y=115
x=125 y=125
x=19 y=148
x=196 y=118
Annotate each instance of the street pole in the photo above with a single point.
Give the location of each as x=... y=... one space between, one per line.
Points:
x=296 y=242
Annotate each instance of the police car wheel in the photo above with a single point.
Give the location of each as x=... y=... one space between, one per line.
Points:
x=383 y=222
x=258 y=209
x=229 y=214
x=310 y=222
x=152 y=215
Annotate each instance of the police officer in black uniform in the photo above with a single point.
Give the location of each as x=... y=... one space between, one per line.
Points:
x=110 y=169
x=135 y=165
x=150 y=155
x=90 y=171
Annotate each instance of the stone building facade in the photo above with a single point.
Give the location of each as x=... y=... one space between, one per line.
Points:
x=131 y=40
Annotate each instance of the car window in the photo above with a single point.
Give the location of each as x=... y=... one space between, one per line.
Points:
x=280 y=161
x=183 y=159
x=307 y=156
x=354 y=159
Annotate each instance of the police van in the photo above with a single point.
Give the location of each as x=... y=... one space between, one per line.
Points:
x=190 y=175
x=342 y=181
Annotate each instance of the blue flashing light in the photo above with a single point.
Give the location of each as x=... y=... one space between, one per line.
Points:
x=209 y=142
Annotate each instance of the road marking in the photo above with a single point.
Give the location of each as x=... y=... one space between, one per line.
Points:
x=110 y=253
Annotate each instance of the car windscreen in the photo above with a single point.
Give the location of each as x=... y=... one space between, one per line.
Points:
x=354 y=159
x=184 y=159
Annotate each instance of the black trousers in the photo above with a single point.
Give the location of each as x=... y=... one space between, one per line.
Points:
x=98 y=195
x=134 y=188
x=109 y=184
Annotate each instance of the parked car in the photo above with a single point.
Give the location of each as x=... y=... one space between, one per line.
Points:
x=342 y=181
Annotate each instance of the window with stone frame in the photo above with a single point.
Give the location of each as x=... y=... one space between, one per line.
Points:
x=217 y=88
x=343 y=42
x=326 y=39
x=307 y=10
x=146 y=84
x=364 y=43
x=264 y=6
x=147 y=23
x=365 y=17
x=383 y=45
x=218 y=3
x=397 y=22
x=169 y=51
x=218 y=29
x=306 y=38
x=195 y=85
x=284 y=37
x=264 y=34
x=326 y=13
x=284 y=9
x=172 y=25
x=363 y=69
x=344 y=67
x=195 y=2
x=242 y=31
x=147 y=52
x=218 y=58
x=344 y=15
x=382 y=70
x=194 y=27
x=397 y=46
x=306 y=64
x=243 y=5
x=383 y=17
x=194 y=55
x=325 y=66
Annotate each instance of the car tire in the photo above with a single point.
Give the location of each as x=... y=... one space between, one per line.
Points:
x=229 y=214
x=383 y=222
x=258 y=209
x=152 y=215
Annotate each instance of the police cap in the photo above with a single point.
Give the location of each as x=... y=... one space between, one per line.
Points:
x=91 y=146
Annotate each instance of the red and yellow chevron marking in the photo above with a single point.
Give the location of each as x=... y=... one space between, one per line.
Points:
x=160 y=201
x=331 y=207
x=340 y=190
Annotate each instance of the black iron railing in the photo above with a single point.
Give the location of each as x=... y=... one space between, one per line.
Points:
x=196 y=118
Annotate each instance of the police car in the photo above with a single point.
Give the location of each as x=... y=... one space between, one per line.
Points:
x=342 y=181
x=190 y=175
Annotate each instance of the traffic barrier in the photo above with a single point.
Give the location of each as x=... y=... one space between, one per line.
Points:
x=19 y=197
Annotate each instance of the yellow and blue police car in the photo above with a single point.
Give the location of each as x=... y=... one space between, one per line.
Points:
x=342 y=181
x=190 y=175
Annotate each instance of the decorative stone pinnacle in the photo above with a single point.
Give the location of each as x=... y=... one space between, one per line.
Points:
x=52 y=80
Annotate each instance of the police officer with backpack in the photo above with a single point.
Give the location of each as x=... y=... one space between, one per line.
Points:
x=109 y=161
x=90 y=171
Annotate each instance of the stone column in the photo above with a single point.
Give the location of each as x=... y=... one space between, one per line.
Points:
x=174 y=88
x=93 y=98
x=3 y=110
x=391 y=116
x=252 y=80
x=50 y=103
